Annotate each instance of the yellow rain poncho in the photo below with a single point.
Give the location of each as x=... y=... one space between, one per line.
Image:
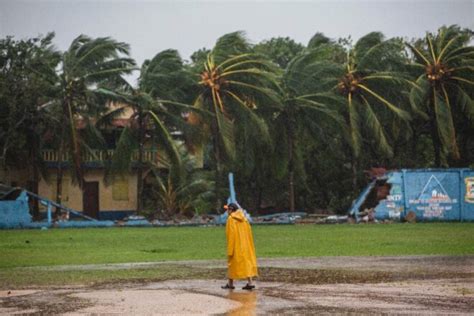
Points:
x=241 y=259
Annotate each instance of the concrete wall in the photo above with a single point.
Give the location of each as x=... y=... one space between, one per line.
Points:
x=72 y=193
x=430 y=194
x=15 y=177
x=15 y=213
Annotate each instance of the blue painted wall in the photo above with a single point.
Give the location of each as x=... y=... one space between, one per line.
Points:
x=15 y=214
x=392 y=206
x=432 y=194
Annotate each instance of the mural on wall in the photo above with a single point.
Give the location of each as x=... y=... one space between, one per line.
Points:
x=469 y=197
x=394 y=201
x=430 y=194
x=433 y=200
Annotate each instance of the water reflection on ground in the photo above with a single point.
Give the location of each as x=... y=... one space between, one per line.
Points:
x=248 y=301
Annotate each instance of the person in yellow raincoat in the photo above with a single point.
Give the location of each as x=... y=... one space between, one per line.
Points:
x=241 y=259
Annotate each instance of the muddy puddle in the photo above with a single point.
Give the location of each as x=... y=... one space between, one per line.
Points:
x=287 y=287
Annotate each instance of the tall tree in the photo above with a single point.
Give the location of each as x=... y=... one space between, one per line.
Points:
x=281 y=50
x=365 y=89
x=234 y=82
x=161 y=79
x=85 y=66
x=27 y=72
x=444 y=87
x=300 y=113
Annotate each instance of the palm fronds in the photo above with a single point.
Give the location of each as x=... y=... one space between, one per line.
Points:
x=442 y=88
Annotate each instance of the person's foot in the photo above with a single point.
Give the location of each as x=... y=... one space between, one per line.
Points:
x=248 y=287
x=228 y=287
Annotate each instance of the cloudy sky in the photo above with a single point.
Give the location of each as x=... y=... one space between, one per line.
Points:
x=152 y=26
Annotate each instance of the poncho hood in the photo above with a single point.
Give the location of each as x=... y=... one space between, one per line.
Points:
x=238 y=215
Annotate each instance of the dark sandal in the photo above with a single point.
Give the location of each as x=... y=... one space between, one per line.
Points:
x=248 y=287
x=228 y=287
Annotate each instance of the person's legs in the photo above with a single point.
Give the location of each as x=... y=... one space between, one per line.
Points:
x=249 y=285
x=229 y=285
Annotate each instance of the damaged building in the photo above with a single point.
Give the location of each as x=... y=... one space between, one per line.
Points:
x=417 y=195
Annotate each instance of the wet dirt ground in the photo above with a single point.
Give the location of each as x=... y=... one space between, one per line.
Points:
x=359 y=285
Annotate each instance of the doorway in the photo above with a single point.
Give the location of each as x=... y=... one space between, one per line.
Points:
x=90 y=199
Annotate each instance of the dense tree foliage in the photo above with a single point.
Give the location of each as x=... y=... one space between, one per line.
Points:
x=86 y=66
x=298 y=125
x=234 y=83
x=162 y=78
x=443 y=92
x=27 y=86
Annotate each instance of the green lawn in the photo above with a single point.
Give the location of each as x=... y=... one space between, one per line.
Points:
x=23 y=248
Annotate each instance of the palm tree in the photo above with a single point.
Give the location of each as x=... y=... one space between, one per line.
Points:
x=444 y=85
x=233 y=84
x=85 y=66
x=366 y=89
x=281 y=50
x=161 y=79
x=300 y=113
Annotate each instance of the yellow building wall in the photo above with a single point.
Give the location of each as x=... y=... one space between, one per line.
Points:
x=17 y=177
x=72 y=194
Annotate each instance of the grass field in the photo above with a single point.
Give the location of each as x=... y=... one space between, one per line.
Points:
x=24 y=252
x=23 y=248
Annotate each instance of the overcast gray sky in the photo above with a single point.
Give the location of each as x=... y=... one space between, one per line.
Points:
x=152 y=26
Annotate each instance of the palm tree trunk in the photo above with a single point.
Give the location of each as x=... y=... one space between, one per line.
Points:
x=141 y=137
x=436 y=144
x=35 y=151
x=291 y=173
x=414 y=142
x=354 y=168
x=217 y=155
x=61 y=150
x=322 y=187
x=434 y=132
x=59 y=175
x=464 y=147
x=259 y=198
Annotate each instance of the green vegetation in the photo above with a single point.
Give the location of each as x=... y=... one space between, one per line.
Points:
x=297 y=124
x=24 y=248
x=26 y=277
x=36 y=258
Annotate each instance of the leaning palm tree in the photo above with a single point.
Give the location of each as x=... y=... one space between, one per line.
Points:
x=161 y=79
x=446 y=63
x=233 y=84
x=299 y=113
x=367 y=89
x=87 y=64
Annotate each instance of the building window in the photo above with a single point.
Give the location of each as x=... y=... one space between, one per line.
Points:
x=120 y=189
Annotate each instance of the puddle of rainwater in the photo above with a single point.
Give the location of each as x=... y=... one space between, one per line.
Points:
x=248 y=301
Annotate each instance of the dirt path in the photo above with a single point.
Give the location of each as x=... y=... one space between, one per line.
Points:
x=426 y=285
x=375 y=263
